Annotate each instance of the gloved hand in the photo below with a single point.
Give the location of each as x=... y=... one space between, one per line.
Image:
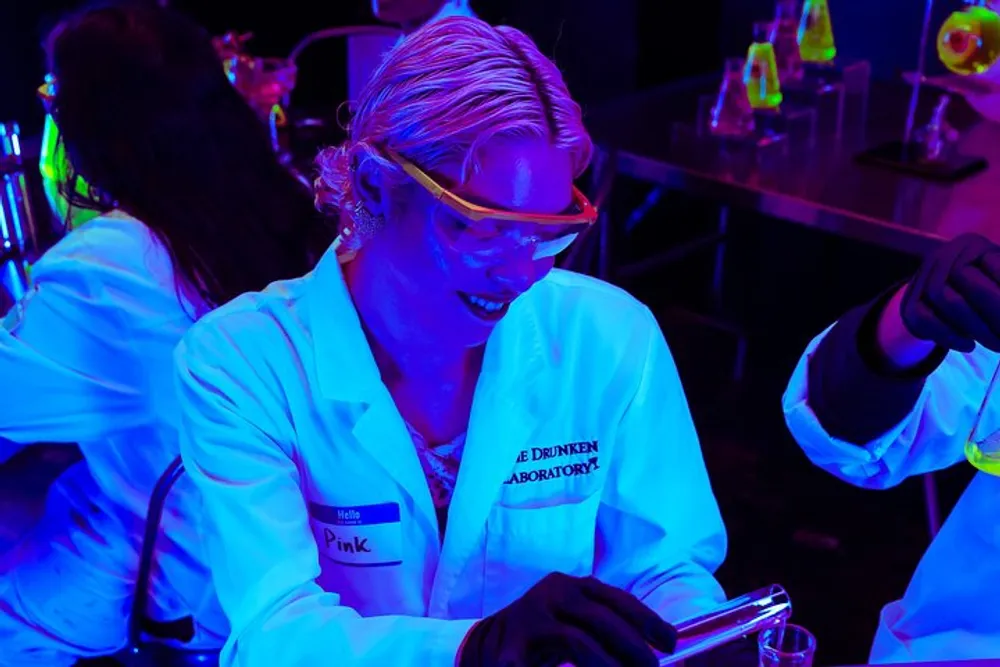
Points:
x=954 y=299
x=564 y=619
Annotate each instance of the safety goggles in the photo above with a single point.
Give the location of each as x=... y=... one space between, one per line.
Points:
x=72 y=199
x=47 y=93
x=53 y=153
x=486 y=232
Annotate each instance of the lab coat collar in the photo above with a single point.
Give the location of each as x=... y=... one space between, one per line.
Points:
x=509 y=400
x=346 y=373
x=513 y=393
x=345 y=366
x=516 y=352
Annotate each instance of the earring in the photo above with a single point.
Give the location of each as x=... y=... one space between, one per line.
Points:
x=365 y=225
x=362 y=226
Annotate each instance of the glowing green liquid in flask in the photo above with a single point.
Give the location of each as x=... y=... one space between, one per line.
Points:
x=816 y=33
x=969 y=40
x=761 y=77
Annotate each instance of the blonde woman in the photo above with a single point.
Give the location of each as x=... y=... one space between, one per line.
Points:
x=436 y=448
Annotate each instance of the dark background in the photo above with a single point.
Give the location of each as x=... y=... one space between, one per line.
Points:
x=606 y=47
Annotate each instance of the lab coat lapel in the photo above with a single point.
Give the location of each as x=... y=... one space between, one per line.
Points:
x=505 y=414
x=382 y=432
x=501 y=426
x=347 y=374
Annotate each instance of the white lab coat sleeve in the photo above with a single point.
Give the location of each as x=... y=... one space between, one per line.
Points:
x=660 y=533
x=66 y=356
x=238 y=446
x=931 y=437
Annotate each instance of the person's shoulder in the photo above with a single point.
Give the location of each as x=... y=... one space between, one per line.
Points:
x=113 y=262
x=110 y=242
x=574 y=299
x=587 y=318
x=254 y=326
x=115 y=257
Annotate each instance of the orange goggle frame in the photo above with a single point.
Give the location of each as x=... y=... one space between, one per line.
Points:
x=583 y=212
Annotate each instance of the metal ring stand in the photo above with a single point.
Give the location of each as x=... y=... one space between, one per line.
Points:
x=142 y=652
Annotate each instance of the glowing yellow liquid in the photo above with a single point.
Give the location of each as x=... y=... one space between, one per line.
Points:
x=816 y=43
x=969 y=41
x=761 y=77
x=988 y=463
x=53 y=165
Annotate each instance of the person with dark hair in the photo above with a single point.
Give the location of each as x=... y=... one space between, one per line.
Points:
x=190 y=208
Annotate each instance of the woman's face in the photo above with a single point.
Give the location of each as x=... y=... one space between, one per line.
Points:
x=458 y=297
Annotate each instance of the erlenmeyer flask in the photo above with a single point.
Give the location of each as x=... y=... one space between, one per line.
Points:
x=816 y=33
x=760 y=75
x=784 y=37
x=982 y=448
x=732 y=115
x=969 y=40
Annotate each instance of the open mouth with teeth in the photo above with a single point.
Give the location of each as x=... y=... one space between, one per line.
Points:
x=485 y=308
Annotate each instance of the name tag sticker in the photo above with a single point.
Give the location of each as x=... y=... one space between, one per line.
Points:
x=360 y=536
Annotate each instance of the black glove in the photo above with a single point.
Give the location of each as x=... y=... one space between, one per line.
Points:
x=954 y=300
x=564 y=619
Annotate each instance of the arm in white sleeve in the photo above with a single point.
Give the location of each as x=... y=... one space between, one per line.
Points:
x=878 y=429
x=66 y=358
x=238 y=446
x=660 y=534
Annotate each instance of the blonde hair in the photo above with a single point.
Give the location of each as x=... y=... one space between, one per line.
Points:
x=443 y=92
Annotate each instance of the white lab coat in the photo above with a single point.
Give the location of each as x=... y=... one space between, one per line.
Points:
x=949 y=610
x=86 y=358
x=302 y=458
